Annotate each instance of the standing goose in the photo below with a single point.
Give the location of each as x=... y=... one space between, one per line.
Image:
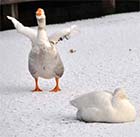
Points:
x=44 y=60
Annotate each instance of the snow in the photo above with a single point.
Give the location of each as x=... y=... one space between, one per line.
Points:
x=107 y=56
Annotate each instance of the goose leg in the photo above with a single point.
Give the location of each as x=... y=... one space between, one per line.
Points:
x=37 y=89
x=56 y=88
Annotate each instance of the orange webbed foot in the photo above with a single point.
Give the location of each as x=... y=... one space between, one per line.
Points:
x=56 y=89
x=37 y=90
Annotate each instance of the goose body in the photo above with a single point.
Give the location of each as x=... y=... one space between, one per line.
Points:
x=45 y=63
x=44 y=60
x=105 y=106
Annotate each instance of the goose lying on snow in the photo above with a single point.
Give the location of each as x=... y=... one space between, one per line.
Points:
x=44 y=59
x=105 y=106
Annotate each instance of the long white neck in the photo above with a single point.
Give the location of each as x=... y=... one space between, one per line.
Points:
x=41 y=22
x=42 y=38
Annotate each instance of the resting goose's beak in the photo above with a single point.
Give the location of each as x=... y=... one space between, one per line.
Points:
x=39 y=12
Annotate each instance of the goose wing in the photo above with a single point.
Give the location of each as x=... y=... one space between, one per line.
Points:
x=94 y=99
x=64 y=34
x=30 y=33
x=90 y=114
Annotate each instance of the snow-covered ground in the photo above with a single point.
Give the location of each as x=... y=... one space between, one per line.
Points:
x=107 y=56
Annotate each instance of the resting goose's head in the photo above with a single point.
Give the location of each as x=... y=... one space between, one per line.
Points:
x=40 y=14
x=119 y=93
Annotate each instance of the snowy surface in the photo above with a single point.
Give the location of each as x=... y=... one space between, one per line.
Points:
x=107 y=56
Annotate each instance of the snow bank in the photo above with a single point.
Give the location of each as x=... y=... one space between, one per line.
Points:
x=107 y=56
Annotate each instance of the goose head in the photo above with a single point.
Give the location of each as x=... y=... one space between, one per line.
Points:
x=120 y=94
x=40 y=14
x=41 y=18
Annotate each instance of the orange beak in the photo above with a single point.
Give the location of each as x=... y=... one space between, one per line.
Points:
x=39 y=12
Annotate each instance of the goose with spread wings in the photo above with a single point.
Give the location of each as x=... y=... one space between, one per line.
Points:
x=44 y=60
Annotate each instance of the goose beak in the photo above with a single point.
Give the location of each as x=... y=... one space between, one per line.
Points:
x=39 y=12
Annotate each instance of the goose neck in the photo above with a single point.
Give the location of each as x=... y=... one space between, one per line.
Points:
x=41 y=23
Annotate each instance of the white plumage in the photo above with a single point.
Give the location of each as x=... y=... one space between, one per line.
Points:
x=105 y=106
x=44 y=59
x=53 y=39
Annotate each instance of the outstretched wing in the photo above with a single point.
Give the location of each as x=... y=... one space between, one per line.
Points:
x=64 y=34
x=30 y=33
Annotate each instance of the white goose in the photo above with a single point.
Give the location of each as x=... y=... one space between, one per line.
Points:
x=105 y=106
x=44 y=59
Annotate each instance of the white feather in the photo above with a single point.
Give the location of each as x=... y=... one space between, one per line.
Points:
x=64 y=34
x=104 y=107
x=54 y=38
x=44 y=60
x=28 y=32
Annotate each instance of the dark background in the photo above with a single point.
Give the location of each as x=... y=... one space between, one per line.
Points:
x=58 y=11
